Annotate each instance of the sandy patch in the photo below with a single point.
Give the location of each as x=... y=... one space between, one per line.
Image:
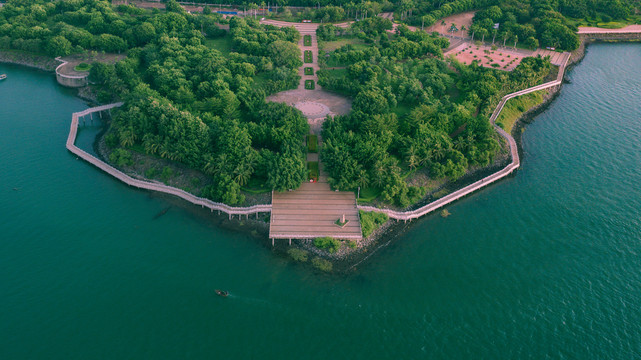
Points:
x=461 y=21
x=336 y=104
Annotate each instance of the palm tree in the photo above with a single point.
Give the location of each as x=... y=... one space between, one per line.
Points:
x=243 y=172
x=223 y=163
x=210 y=165
x=151 y=146
x=127 y=136
x=439 y=151
x=412 y=159
x=379 y=173
x=361 y=178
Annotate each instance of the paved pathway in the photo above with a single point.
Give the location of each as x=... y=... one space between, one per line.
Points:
x=311 y=210
x=630 y=29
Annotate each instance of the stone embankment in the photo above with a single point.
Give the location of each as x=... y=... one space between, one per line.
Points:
x=141 y=184
x=424 y=210
x=68 y=77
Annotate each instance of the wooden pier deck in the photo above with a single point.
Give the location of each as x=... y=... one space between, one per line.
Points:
x=311 y=211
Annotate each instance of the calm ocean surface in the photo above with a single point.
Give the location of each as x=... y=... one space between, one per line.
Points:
x=544 y=265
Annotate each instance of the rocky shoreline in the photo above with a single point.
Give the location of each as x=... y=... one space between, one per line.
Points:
x=30 y=60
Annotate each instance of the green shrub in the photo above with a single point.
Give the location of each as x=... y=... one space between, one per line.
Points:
x=82 y=67
x=309 y=84
x=327 y=243
x=151 y=172
x=111 y=140
x=322 y=264
x=309 y=71
x=371 y=221
x=298 y=254
x=308 y=57
x=312 y=143
x=352 y=244
x=166 y=174
x=312 y=170
x=307 y=40
x=121 y=157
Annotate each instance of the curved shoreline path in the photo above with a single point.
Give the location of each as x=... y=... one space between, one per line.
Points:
x=514 y=152
x=141 y=184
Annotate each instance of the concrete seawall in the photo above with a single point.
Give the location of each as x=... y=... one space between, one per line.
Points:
x=72 y=81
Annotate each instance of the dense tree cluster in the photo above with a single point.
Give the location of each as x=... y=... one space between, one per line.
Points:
x=188 y=103
x=532 y=22
x=374 y=146
x=184 y=101
x=535 y=23
x=61 y=27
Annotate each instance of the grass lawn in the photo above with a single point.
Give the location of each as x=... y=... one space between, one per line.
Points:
x=369 y=194
x=309 y=84
x=312 y=143
x=222 y=44
x=357 y=43
x=82 y=67
x=256 y=186
x=312 y=170
x=371 y=221
x=309 y=71
x=307 y=40
x=516 y=107
x=308 y=57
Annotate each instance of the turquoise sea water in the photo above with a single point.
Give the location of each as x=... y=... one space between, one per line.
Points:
x=544 y=265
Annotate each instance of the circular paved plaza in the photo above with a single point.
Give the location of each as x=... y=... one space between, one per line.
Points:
x=312 y=109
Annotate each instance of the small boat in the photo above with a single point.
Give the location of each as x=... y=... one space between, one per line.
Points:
x=222 y=293
x=3 y=76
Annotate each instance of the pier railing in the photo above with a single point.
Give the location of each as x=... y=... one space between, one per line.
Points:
x=513 y=165
x=148 y=185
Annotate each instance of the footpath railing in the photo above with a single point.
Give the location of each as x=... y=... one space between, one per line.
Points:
x=141 y=184
x=513 y=165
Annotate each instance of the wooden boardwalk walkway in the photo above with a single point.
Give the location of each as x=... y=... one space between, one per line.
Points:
x=424 y=210
x=312 y=210
x=148 y=185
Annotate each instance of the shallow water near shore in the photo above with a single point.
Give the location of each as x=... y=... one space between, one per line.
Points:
x=545 y=264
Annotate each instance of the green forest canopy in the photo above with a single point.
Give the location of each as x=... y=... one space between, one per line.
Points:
x=191 y=103
x=376 y=144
